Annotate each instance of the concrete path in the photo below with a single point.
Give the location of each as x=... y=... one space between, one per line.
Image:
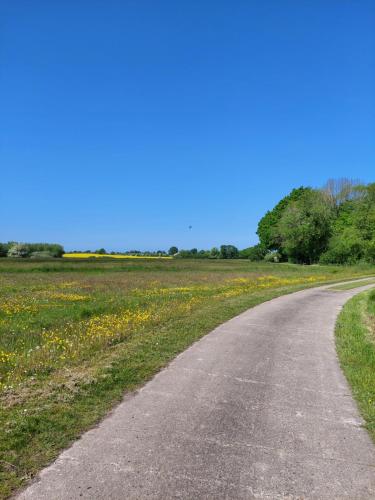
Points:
x=258 y=408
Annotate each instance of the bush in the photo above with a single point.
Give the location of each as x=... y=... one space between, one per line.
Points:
x=41 y=255
x=54 y=249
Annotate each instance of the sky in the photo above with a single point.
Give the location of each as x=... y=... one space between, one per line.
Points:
x=122 y=123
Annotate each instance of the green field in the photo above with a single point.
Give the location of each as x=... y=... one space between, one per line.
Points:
x=76 y=334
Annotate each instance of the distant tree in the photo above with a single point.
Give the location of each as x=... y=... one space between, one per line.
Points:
x=193 y=251
x=19 y=250
x=54 y=249
x=204 y=254
x=173 y=251
x=101 y=251
x=214 y=253
x=254 y=253
x=4 y=247
x=228 y=252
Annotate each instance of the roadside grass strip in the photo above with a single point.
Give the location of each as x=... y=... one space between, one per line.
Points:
x=351 y=286
x=355 y=342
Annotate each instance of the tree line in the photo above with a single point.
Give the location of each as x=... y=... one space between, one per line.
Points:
x=224 y=252
x=332 y=225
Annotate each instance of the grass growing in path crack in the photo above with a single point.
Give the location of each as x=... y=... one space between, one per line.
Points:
x=355 y=341
x=74 y=336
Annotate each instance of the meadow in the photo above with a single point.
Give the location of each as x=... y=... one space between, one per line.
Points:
x=76 y=334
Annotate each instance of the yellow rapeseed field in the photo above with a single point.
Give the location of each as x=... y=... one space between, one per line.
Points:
x=98 y=256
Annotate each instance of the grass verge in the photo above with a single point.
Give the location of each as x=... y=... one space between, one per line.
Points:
x=351 y=286
x=355 y=341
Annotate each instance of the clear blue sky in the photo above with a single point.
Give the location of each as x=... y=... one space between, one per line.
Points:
x=124 y=122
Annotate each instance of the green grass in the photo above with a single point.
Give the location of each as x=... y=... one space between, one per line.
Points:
x=74 y=336
x=351 y=286
x=355 y=341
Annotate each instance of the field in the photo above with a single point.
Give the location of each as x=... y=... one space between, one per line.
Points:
x=75 y=334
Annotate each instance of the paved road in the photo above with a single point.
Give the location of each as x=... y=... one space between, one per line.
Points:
x=256 y=409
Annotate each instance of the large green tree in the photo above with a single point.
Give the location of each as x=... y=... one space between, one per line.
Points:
x=267 y=228
x=353 y=231
x=304 y=228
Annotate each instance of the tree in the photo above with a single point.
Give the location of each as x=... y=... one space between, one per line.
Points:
x=4 y=247
x=203 y=254
x=228 y=252
x=19 y=250
x=305 y=227
x=267 y=227
x=341 y=190
x=101 y=251
x=173 y=251
x=353 y=231
x=254 y=253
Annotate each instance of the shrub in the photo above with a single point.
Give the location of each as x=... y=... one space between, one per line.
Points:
x=54 y=249
x=41 y=255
